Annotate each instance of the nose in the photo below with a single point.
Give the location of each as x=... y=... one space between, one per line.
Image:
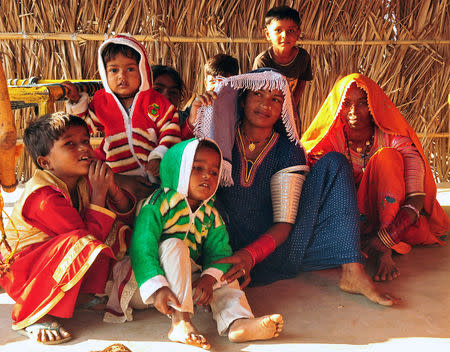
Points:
x=205 y=175
x=265 y=103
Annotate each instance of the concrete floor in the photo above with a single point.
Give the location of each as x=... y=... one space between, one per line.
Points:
x=318 y=316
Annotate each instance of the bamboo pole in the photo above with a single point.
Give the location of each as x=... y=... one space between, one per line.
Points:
x=80 y=37
x=8 y=136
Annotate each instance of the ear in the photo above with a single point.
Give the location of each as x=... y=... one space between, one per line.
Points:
x=266 y=32
x=43 y=162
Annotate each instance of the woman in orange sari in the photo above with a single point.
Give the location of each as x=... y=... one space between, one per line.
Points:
x=395 y=187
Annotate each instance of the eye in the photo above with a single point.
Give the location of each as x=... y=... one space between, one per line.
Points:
x=346 y=104
x=68 y=143
x=131 y=69
x=214 y=173
x=158 y=89
x=277 y=100
x=86 y=141
x=257 y=93
x=113 y=70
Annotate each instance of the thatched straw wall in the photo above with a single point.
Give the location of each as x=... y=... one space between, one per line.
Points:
x=401 y=44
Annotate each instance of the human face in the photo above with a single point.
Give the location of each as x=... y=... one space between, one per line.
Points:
x=262 y=108
x=165 y=85
x=204 y=176
x=283 y=34
x=212 y=81
x=123 y=76
x=355 y=109
x=70 y=155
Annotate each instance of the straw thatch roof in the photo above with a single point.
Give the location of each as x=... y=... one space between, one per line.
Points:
x=401 y=44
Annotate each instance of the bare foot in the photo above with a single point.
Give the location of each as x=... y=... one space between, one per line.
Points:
x=46 y=331
x=354 y=279
x=263 y=328
x=184 y=331
x=386 y=268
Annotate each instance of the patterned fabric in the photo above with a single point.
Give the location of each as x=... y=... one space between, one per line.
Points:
x=167 y=214
x=223 y=130
x=326 y=134
x=326 y=232
x=62 y=250
x=133 y=137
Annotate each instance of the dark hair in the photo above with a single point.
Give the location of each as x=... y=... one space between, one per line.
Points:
x=41 y=134
x=112 y=49
x=161 y=70
x=223 y=65
x=282 y=13
x=204 y=143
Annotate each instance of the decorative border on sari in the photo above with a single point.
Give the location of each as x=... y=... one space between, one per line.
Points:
x=247 y=181
x=35 y=316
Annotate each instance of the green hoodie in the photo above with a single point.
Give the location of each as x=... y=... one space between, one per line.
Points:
x=167 y=214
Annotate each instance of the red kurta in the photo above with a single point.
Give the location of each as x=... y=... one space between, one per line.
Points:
x=61 y=250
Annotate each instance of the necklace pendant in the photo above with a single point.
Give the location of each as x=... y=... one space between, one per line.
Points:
x=358 y=149
x=251 y=146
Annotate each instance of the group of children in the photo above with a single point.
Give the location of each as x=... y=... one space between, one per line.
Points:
x=76 y=215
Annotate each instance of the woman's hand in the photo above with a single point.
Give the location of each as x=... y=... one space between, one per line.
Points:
x=206 y=98
x=203 y=290
x=163 y=296
x=242 y=265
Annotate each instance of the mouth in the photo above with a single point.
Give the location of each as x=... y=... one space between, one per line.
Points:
x=85 y=158
x=205 y=185
x=262 y=113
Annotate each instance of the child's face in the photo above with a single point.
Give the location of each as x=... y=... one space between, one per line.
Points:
x=70 y=155
x=262 y=108
x=212 y=81
x=283 y=34
x=204 y=176
x=165 y=85
x=123 y=76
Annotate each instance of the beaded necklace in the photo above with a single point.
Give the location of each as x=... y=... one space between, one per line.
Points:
x=369 y=144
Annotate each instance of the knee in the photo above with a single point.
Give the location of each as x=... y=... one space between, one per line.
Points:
x=173 y=247
x=333 y=161
x=387 y=158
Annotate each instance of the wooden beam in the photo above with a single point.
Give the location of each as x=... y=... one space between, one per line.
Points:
x=80 y=37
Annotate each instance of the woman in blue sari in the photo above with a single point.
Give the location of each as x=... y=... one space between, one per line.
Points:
x=280 y=222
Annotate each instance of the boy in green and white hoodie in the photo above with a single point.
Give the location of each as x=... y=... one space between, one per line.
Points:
x=178 y=235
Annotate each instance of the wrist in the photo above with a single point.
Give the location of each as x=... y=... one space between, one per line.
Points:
x=261 y=248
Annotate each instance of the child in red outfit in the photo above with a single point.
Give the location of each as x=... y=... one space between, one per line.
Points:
x=139 y=123
x=63 y=233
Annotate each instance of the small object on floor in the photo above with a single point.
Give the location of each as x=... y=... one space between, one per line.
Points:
x=117 y=347
x=32 y=332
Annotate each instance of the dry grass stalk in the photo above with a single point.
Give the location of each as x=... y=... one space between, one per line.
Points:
x=415 y=76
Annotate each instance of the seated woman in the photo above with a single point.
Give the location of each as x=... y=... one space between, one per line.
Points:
x=274 y=231
x=396 y=190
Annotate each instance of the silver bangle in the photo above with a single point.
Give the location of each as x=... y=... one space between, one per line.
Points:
x=413 y=208
x=286 y=188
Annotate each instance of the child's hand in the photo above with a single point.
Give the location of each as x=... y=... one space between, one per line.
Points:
x=162 y=297
x=71 y=92
x=206 y=98
x=203 y=290
x=153 y=167
x=101 y=179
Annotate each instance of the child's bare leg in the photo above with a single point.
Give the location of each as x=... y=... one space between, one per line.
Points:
x=184 y=331
x=354 y=279
x=250 y=329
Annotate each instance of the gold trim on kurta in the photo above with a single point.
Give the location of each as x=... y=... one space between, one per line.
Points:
x=102 y=210
x=70 y=256
x=35 y=317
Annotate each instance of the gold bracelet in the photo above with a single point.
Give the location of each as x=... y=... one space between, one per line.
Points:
x=385 y=238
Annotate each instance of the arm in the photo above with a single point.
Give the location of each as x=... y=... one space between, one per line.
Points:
x=59 y=216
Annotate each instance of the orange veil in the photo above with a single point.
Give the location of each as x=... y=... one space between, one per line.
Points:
x=389 y=120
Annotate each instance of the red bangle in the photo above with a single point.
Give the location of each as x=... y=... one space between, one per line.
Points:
x=261 y=248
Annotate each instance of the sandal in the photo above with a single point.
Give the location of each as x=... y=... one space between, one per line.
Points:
x=32 y=332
